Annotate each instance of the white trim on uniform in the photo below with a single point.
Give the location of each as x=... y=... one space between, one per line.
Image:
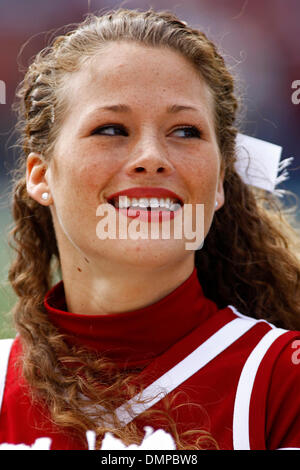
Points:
x=5 y=348
x=241 y=315
x=191 y=364
x=241 y=431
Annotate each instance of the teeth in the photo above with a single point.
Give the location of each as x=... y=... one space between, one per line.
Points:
x=124 y=202
x=134 y=202
x=144 y=202
x=154 y=202
x=175 y=206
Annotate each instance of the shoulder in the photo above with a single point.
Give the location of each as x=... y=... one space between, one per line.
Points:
x=270 y=339
x=274 y=353
x=267 y=408
x=282 y=367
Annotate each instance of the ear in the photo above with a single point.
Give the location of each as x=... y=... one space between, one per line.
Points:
x=220 y=195
x=36 y=178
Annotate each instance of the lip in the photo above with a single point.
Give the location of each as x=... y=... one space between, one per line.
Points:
x=148 y=191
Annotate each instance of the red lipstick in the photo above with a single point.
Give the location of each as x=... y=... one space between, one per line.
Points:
x=152 y=215
x=147 y=191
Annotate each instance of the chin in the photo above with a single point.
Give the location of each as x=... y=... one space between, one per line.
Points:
x=146 y=253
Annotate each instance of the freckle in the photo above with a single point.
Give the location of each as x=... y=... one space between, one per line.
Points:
x=85 y=259
x=80 y=270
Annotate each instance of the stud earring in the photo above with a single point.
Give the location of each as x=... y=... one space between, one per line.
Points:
x=216 y=204
x=45 y=196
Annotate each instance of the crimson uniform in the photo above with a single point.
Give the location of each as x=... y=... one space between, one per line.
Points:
x=237 y=377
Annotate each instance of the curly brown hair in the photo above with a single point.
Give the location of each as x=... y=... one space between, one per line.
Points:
x=250 y=258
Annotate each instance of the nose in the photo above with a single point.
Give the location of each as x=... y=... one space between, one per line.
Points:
x=150 y=156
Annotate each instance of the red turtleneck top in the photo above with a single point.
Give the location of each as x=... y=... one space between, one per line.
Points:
x=233 y=388
x=134 y=339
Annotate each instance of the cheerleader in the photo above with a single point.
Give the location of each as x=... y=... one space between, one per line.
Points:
x=136 y=111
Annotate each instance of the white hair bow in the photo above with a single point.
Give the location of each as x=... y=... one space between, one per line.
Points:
x=258 y=163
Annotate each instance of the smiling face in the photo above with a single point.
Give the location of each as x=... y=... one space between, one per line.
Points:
x=136 y=117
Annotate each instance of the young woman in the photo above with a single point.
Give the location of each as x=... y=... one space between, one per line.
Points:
x=137 y=108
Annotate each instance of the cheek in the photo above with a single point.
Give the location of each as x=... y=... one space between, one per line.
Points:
x=85 y=179
x=202 y=177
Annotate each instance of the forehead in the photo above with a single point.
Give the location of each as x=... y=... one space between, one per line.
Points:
x=145 y=75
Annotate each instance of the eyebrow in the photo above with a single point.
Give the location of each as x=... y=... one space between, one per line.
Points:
x=123 y=108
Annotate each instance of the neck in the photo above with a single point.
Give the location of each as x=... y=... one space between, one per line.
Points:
x=99 y=288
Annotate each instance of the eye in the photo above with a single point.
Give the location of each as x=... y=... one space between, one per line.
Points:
x=111 y=130
x=189 y=131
